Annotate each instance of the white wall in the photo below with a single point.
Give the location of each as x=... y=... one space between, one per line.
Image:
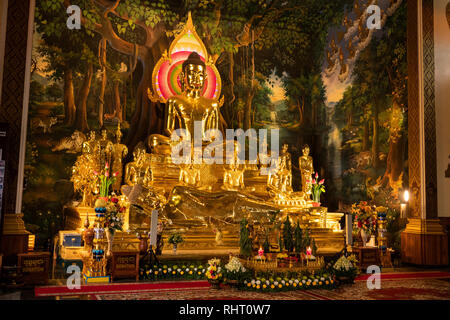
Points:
x=3 y=16
x=442 y=96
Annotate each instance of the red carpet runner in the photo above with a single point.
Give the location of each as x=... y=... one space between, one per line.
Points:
x=112 y=288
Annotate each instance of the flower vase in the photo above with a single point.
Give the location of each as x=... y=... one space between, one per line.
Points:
x=316 y=197
x=215 y=283
x=364 y=237
x=110 y=239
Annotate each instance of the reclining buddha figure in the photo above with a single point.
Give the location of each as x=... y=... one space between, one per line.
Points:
x=188 y=107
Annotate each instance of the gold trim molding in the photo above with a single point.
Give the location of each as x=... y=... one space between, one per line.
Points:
x=424 y=226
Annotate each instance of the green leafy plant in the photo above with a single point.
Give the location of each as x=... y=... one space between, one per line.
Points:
x=288 y=240
x=175 y=238
x=298 y=238
x=245 y=240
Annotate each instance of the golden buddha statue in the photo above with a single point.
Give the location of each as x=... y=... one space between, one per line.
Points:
x=188 y=107
x=119 y=152
x=133 y=169
x=90 y=145
x=104 y=149
x=305 y=163
x=83 y=177
x=280 y=178
x=190 y=175
x=233 y=178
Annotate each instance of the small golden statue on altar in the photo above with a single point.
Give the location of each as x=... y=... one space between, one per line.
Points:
x=233 y=178
x=119 y=152
x=136 y=172
x=104 y=150
x=280 y=181
x=305 y=163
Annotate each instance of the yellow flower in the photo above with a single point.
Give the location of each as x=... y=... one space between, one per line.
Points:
x=320 y=283
x=156 y=272
x=314 y=283
x=253 y=286
x=264 y=286
x=249 y=284
x=327 y=282
x=257 y=287
x=173 y=272
x=164 y=271
x=199 y=272
x=182 y=272
x=331 y=281
x=287 y=284
x=272 y=286
x=294 y=284
x=300 y=284
x=280 y=285
x=190 y=272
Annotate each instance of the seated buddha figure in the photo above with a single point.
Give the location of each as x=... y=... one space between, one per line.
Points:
x=233 y=178
x=188 y=107
x=136 y=172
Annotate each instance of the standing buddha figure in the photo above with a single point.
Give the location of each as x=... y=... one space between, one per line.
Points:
x=104 y=150
x=305 y=163
x=285 y=170
x=119 y=152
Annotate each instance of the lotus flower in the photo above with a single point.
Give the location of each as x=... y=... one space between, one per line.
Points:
x=107 y=173
x=115 y=174
x=322 y=181
x=317 y=175
x=314 y=181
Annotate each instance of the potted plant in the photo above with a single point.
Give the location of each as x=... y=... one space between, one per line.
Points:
x=114 y=220
x=317 y=187
x=175 y=239
x=365 y=220
x=214 y=273
x=345 y=269
x=234 y=272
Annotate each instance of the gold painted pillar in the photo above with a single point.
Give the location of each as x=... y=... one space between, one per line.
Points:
x=424 y=241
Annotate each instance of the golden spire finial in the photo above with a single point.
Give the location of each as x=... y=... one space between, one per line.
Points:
x=118 y=131
x=189 y=23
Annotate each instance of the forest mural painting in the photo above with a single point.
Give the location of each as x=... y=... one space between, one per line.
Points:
x=309 y=67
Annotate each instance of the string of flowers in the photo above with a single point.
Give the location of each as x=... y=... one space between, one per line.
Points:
x=173 y=271
x=364 y=217
x=299 y=282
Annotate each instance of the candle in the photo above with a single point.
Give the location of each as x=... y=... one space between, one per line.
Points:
x=260 y=252
x=308 y=251
x=403 y=210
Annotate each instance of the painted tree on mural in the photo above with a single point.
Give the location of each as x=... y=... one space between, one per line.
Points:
x=233 y=31
x=372 y=110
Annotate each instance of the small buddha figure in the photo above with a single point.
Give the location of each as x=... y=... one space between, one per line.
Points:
x=284 y=171
x=89 y=145
x=188 y=107
x=133 y=170
x=119 y=152
x=305 y=163
x=104 y=150
x=190 y=175
x=233 y=178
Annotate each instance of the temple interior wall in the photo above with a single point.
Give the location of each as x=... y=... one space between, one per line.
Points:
x=442 y=92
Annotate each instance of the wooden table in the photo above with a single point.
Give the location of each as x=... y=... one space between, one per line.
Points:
x=34 y=267
x=367 y=256
x=125 y=264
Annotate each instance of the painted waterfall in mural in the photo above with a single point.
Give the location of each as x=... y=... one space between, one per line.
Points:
x=311 y=68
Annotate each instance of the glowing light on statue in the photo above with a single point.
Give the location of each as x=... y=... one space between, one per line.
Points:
x=166 y=74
